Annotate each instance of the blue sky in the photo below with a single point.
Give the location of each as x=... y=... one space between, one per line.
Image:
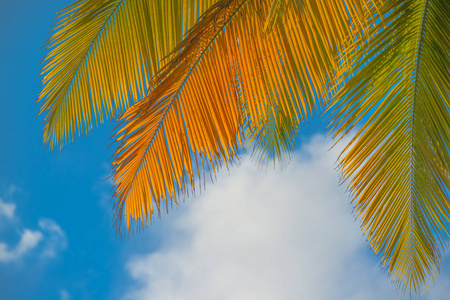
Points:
x=292 y=237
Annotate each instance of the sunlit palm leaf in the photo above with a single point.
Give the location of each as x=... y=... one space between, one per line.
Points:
x=277 y=10
x=325 y=27
x=229 y=79
x=102 y=56
x=398 y=93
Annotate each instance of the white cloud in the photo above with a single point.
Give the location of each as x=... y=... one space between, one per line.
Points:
x=7 y=209
x=64 y=294
x=28 y=241
x=56 y=238
x=51 y=237
x=265 y=235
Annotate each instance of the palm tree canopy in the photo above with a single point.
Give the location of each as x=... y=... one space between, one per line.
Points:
x=218 y=76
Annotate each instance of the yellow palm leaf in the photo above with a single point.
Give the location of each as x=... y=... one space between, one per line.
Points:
x=102 y=55
x=398 y=94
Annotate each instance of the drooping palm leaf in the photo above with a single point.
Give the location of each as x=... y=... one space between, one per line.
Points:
x=229 y=79
x=102 y=55
x=398 y=93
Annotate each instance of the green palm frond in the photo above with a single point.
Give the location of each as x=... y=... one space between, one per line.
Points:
x=102 y=55
x=228 y=83
x=397 y=94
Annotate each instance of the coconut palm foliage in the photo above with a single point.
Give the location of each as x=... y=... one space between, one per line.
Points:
x=397 y=93
x=101 y=57
x=218 y=76
x=182 y=128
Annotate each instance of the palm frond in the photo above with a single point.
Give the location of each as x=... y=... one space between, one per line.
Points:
x=102 y=55
x=397 y=92
x=277 y=10
x=229 y=82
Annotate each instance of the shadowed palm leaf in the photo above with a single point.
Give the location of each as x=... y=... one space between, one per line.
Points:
x=398 y=92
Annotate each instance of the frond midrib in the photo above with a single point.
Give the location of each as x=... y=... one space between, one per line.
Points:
x=412 y=161
x=176 y=95
x=82 y=58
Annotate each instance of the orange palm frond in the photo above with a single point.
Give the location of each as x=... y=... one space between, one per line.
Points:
x=228 y=83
